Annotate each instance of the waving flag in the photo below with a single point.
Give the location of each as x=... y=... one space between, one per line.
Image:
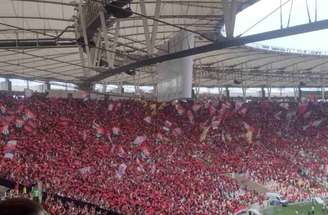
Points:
x=153 y=168
x=243 y=111
x=196 y=107
x=3 y=108
x=179 y=109
x=215 y=124
x=147 y=119
x=4 y=130
x=190 y=116
x=238 y=105
x=145 y=151
x=9 y=149
x=100 y=131
x=84 y=95
x=249 y=133
x=116 y=130
x=277 y=115
x=140 y=167
x=204 y=134
x=159 y=136
x=211 y=109
x=177 y=132
x=316 y=123
x=225 y=106
x=121 y=152
x=284 y=105
x=85 y=170
x=302 y=108
x=84 y=135
x=168 y=123
x=19 y=123
x=121 y=170
x=111 y=107
x=29 y=114
x=28 y=129
x=139 y=139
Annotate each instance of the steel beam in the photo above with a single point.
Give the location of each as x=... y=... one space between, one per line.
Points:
x=36 y=43
x=299 y=29
x=105 y=36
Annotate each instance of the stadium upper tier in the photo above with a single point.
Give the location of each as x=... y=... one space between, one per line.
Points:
x=183 y=157
x=38 y=41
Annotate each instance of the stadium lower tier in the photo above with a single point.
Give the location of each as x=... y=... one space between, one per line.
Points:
x=143 y=157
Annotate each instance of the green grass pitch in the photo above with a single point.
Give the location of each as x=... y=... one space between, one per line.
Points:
x=302 y=208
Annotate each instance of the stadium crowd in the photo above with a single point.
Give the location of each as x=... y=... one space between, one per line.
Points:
x=143 y=157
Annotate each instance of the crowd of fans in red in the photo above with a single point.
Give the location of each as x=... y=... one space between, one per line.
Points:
x=145 y=157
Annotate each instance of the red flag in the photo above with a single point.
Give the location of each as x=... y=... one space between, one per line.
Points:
x=19 y=123
x=116 y=130
x=190 y=116
x=145 y=151
x=196 y=107
x=29 y=114
x=4 y=130
x=302 y=108
x=100 y=131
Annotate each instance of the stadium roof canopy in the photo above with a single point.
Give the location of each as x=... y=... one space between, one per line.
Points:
x=25 y=24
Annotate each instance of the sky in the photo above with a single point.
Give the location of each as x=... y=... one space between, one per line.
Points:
x=314 y=41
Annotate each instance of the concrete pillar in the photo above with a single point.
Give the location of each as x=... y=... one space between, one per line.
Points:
x=244 y=89
x=104 y=88
x=263 y=92
x=9 y=84
x=48 y=86
x=296 y=92
x=269 y=93
x=227 y=92
x=322 y=93
x=299 y=93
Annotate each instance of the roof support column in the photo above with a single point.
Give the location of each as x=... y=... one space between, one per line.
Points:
x=299 y=93
x=113 y=54
x=263 y=92
x=227 y=92
x=296 y=93
x=84 y=32
x=9 y=84
x=155 y=25
x=244 y=89
x=78 y=35
x=230 y=11
x=104 y=88
x=322 y=93
x=145 y=25
x=269 y=92
x=96 y=52
x=48 y=86
x=105 y=36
